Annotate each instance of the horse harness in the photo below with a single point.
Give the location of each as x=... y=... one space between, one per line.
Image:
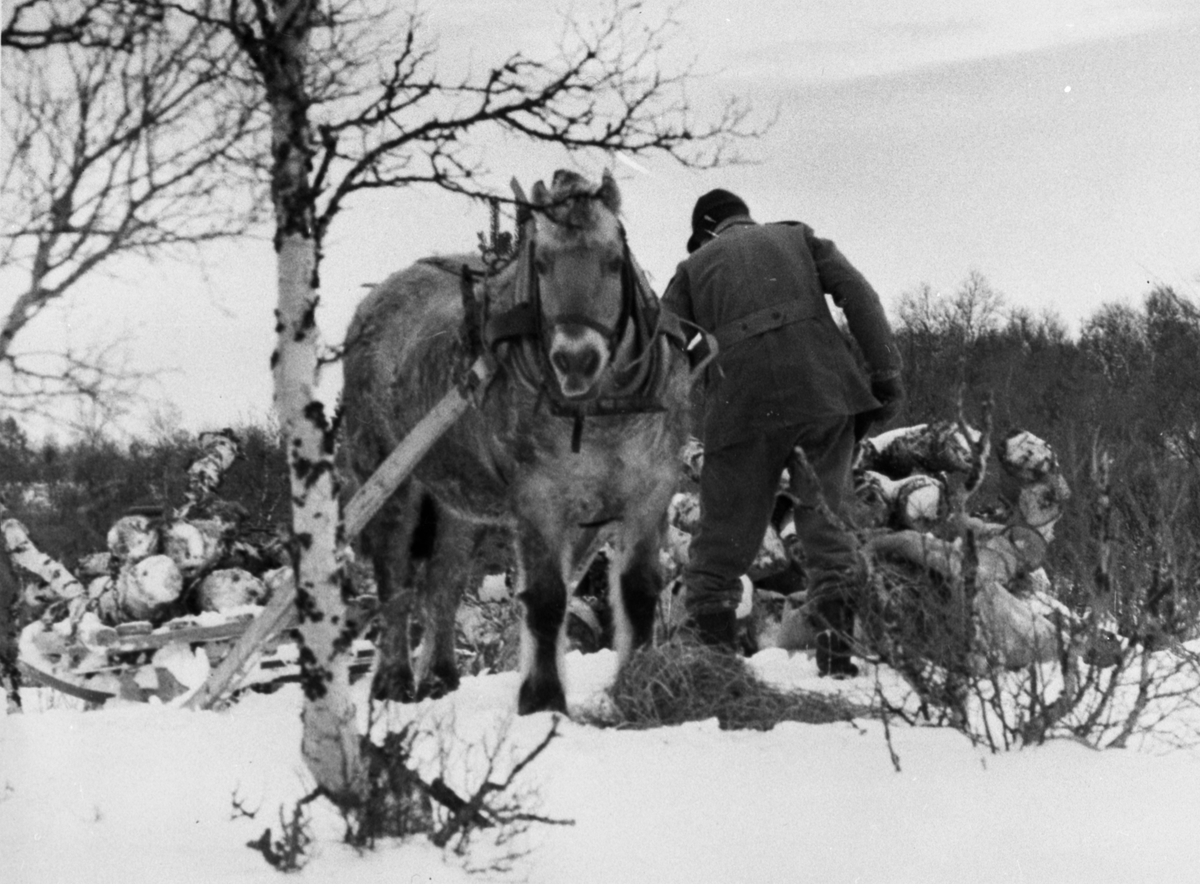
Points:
x=514 y=339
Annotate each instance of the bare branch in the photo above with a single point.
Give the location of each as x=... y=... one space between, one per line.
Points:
x=39 y=24
x=112 y=149
x=602 y=89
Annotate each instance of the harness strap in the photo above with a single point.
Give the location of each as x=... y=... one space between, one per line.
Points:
x=762 y=321
x=670 y=326
x=519 y=321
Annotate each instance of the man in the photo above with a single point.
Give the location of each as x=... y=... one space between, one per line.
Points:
x=784 y=377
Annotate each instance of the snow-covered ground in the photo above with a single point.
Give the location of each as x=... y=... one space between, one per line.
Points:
x=144 y=793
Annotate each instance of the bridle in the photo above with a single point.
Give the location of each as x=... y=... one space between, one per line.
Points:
x=530 y=291
x=517 y=340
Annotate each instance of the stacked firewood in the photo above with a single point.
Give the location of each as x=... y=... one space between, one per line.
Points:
x=168 y=580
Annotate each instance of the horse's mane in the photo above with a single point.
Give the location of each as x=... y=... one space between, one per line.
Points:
x=580 y=214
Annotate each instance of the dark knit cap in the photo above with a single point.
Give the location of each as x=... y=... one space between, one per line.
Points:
x=711 y=209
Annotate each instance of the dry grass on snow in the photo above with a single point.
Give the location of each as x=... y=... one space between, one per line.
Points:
x=681 y=681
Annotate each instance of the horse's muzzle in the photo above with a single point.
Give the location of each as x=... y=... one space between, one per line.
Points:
x=578 y=357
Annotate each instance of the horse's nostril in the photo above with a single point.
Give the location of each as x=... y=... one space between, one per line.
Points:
x=576 y=362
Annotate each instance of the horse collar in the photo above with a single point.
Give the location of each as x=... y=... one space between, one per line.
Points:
x=522 y=327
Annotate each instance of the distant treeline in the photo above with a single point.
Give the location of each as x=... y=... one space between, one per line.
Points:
x=1129 y=379
x=68 y=496
x=1127 y=385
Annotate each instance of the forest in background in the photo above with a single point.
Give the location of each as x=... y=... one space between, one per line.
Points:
x=1126 y=386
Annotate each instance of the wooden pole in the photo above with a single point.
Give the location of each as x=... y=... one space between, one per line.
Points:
x=371 y=496
x=365 y=503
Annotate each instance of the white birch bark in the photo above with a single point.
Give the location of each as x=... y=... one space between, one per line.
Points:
x=330 y=742
x=23 y=553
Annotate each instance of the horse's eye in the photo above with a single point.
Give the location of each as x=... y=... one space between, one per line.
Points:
x=616 y=265
x=542 y=266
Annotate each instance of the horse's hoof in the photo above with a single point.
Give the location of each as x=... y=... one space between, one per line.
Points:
x=431 y=689
x=541 y=696
x=394 y=684
x=438 y=684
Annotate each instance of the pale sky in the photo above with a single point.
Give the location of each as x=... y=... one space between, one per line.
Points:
x=1052 y=146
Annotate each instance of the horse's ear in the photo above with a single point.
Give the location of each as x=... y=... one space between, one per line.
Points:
x=540 y=195
x=609 y=193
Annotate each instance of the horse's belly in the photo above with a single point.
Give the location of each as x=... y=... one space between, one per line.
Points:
x=467 y=485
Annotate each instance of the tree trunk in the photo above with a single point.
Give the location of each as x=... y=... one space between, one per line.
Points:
x=330 y=744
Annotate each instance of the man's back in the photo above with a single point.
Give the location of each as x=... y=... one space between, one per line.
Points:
x=761 y=290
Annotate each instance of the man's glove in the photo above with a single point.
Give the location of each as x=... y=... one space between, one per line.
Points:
x=890 y=393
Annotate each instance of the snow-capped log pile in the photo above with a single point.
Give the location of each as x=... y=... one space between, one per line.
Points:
x=168 y=579
x=905 y=510
x=1018 y=620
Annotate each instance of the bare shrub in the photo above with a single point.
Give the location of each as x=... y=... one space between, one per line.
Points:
x=499 y=798
x=1121 y=671
x=428 y=779
x=397 y=802
x=290 y=851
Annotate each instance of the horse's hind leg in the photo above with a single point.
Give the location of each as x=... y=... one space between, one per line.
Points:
x=635 y=582
x=453 y=566
x=398 y=540
x=543 y=596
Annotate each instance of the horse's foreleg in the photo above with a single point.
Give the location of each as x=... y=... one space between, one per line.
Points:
x=543 y=596
x=635 y=582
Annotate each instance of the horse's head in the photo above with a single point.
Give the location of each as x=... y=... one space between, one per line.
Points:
x=579 y=260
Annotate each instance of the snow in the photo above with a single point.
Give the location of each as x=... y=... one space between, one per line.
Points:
x=144 y=793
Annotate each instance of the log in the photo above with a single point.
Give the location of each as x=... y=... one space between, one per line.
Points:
x=1026 y=457
x=1032 y=484
x=935 y=447
x=920 y=502
x=1040 y=505
x=60 y=583
x=133 y=538
x=1001 y=559
x=94 y=565
x=221 y=449
x=1016 y=630
x=916 y=501
x=194 y=545
x=148 y=587
x=229 y=588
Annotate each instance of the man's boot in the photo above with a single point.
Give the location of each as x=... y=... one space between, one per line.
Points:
x=717 y=629
x=833 y=640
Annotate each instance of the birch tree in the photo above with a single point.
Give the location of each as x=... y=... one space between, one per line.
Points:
x=277 y=41
x=342 y=122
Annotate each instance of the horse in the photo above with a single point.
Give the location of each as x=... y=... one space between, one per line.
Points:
x=573 y=443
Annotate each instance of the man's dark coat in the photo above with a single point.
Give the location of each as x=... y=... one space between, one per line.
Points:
x=760 y=288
